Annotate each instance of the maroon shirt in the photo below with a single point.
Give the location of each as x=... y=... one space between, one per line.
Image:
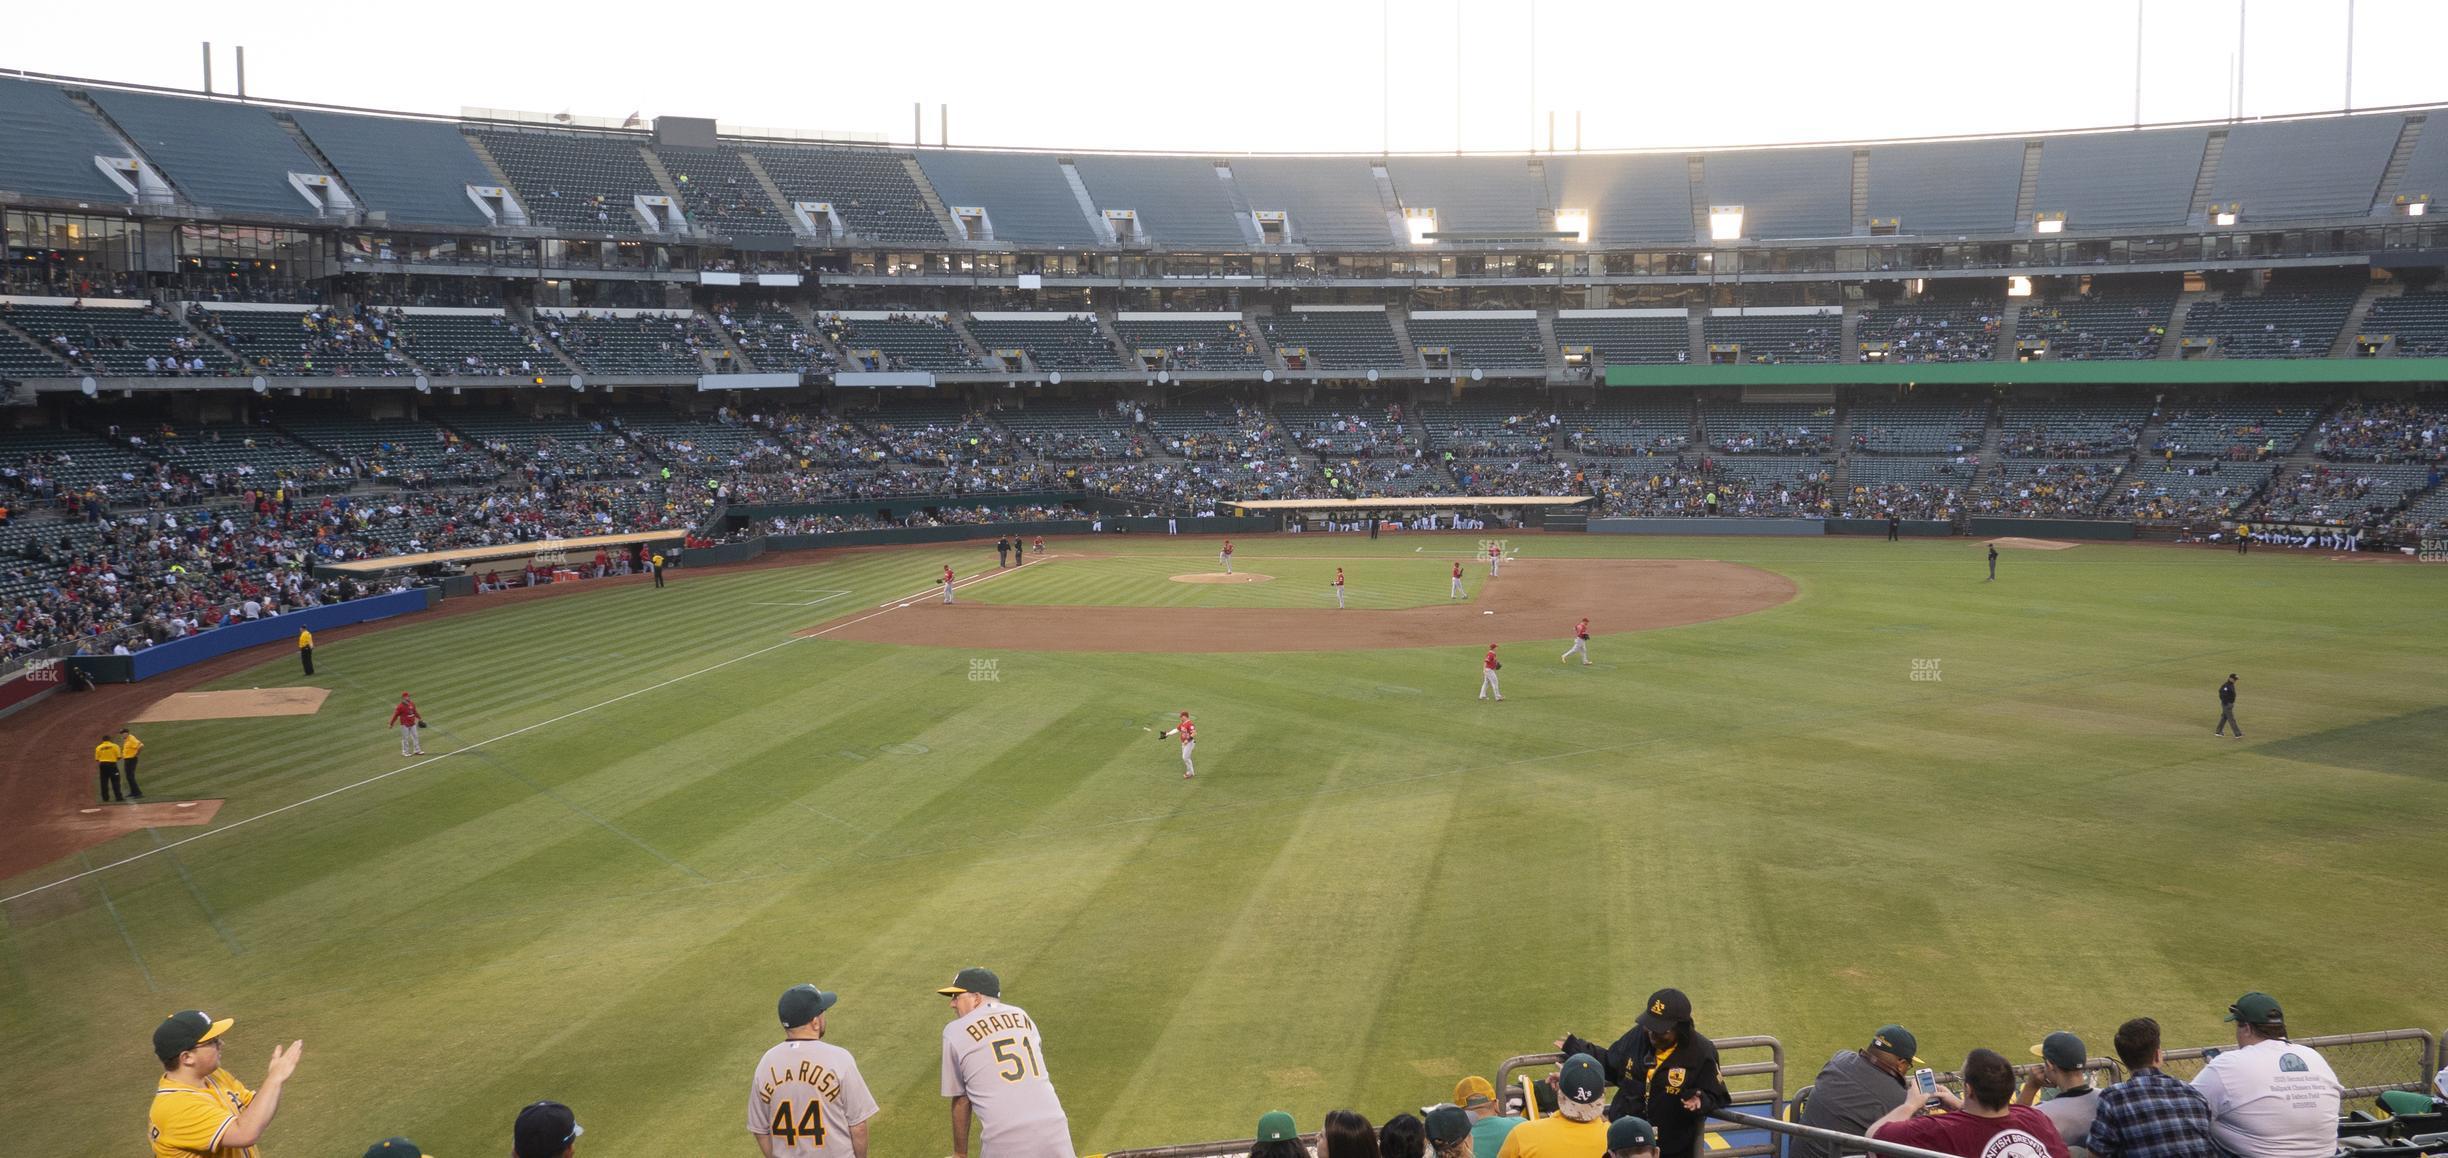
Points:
x=1974 y=1136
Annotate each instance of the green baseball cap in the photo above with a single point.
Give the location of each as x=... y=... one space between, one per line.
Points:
x=1581 y=1080
x=2063 y=1050
x=801 y=1004
x=1448 y=1124
x=1897 y=1042
x=2255 y=1009
x=982 y=982
x=395 y=1148
x=1276 y=1126
x=1629 y=1133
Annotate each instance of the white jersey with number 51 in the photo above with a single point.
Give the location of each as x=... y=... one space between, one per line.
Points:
x=993 y=1056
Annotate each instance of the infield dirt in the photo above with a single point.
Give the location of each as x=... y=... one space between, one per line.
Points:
x=1531 y=600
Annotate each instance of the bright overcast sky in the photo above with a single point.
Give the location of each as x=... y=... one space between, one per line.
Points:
x=1282 y=75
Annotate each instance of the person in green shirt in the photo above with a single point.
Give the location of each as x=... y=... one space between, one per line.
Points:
x=1489 y=1123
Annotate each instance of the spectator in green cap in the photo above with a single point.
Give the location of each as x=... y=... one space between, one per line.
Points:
x=1449 y=1132
x=2072 y=1103
x=1578 y=1127
x=1857 y=1087
x=1277 y=1137
x=2270 y=1097
x=1630 y=1137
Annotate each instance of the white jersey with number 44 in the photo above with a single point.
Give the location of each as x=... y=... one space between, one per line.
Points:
x=994 y=1057
x=807 y=1095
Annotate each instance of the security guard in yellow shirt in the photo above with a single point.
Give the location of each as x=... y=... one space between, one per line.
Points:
x=201 y=1110
x=306 y=649
x=106 y=761
x=129 y=746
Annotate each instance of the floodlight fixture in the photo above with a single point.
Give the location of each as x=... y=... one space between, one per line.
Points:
x=1575 y=222
x=1725 y=222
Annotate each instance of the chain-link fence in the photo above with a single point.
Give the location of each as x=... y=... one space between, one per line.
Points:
x=2366 y=1063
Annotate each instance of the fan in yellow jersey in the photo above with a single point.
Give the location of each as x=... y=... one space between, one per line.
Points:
x=202 y=1109
x=1578 y=1128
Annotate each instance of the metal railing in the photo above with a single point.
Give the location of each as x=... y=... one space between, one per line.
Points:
x=1772 y=1095
x=2364 y=1062
x=1852 y=1143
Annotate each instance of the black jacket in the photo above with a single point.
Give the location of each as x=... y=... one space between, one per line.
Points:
x=2227 y=692
x=1655 y=1091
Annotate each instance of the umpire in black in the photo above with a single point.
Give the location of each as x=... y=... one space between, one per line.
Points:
x=2227 y=709
x=1663 y=1071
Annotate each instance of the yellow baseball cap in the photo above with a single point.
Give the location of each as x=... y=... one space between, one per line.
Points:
x=1473 y=1092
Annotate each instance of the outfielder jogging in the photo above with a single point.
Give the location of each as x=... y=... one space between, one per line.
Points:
x=947 y=582
x=1580 y=642
x=1457 y=577
x=1338 y=587
x=1495 y=559
x=1487 y=676
x=1189 y=733
x=994 y=1071
x=1225 y=556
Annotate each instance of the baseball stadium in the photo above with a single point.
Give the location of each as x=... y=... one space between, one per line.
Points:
x=1167 y=653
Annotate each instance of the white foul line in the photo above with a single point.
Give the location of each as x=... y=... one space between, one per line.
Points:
x=825 y=597
x=887 y=609
x=957 y=584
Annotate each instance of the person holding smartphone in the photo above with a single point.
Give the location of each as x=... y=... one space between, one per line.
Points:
x=1856 y=1088
x=1983 y=1123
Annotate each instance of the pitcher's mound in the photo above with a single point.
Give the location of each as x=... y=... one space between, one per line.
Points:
x=1220 y=577
x=2033 y=544
x=233 y=705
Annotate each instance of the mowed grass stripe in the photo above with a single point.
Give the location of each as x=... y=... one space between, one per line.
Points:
x=1723 y=807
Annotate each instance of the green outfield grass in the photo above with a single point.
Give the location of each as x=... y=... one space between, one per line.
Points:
x=1375 y=884
x=1303 y=579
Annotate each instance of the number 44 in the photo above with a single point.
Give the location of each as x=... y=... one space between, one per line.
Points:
x=791 y=1127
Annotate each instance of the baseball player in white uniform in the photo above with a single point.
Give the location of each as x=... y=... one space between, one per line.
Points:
x=1580 y=642
x=1495 y=559
x=1189 y=733
x=1487 y=676
x=1457 y=578
x=947 y=582
x=994 y=1072
x=1225 y=556
x=806 y=1098
x=1338 y=587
